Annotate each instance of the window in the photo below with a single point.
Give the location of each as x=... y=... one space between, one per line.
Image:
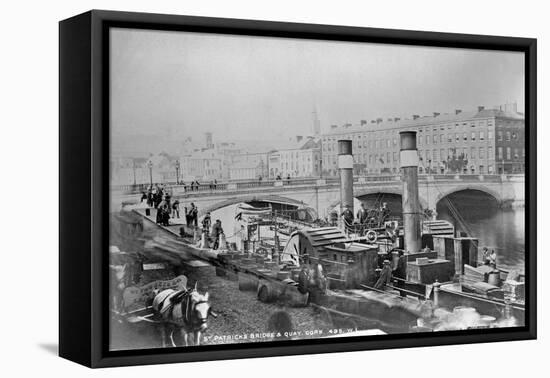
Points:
x=442 y=154
x=516 y=154
x=499 y=137
x=514 y=136
x=388 y=157
x=419 y=140
x=395 y=157
x=489 y=152
x=442 y=138
x=509 y=153
x=435 y=155
x=473 y=135
x=481 y=135
x=457 y=137
x=489 y=135
x=465 y=137
x=428 y=158
x=508 y=136
x=481 y=153
x=500 y=153
x=450 y=138
x=427 y=139
x=435 y=139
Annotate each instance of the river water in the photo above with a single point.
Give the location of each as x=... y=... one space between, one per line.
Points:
x=500 y=229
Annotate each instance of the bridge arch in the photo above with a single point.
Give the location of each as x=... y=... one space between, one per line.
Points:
x=251 y=198
x=472 y=187
x=374 y=191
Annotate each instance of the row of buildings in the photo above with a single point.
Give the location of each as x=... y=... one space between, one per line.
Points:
x=483 y=141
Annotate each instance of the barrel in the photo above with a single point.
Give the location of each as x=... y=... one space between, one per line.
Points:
x=247 y=282
x=494 y=278
x=266 y=293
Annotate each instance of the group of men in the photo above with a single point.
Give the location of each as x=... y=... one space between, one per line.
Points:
x=159 y=198
x=194 y=185
x=216 y=231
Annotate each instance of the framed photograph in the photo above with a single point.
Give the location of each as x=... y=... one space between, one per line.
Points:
x=234 y=188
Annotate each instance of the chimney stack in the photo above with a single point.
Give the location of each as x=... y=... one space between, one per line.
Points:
x=333 y=127
x=345 y=165
x=299 y=138
x=410 y=200
x=416 y=116
x=396 y=119
x=363 y=122
x=458 y=111
x=480 y=108
x=436 y=114
x=379 y=120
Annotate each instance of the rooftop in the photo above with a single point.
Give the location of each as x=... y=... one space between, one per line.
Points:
x=435 y=119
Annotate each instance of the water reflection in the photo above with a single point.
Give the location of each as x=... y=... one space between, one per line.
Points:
x=479 y=216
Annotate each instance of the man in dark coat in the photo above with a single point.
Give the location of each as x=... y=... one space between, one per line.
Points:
x=193 y=215
x=217 y=230
x=385 y=276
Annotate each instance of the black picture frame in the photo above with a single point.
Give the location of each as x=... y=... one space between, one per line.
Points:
x=84 y=167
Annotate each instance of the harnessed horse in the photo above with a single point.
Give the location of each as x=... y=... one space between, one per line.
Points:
x=185 y=309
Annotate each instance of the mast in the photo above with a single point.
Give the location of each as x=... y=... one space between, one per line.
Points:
x=410 y=200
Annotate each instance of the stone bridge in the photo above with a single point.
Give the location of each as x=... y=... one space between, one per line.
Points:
x=324 y=194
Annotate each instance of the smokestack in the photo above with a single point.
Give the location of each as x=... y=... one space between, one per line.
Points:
x=458 y=111
x=345 y=165
x=411 y=203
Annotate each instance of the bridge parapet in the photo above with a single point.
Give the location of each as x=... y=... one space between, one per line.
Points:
x=312 y=181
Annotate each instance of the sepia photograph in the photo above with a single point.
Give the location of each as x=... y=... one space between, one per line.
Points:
x=266 y=189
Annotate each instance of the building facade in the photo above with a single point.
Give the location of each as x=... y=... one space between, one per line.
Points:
x=485 y=141
x=201 y=165
x=301 y=159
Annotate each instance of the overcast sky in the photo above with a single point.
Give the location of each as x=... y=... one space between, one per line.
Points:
x=242 y=87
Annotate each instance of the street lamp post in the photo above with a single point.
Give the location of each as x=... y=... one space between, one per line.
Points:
x=134 y=169
x=150 y=165
x=177 y=172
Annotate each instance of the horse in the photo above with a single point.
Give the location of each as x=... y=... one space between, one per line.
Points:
x=185 y=309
